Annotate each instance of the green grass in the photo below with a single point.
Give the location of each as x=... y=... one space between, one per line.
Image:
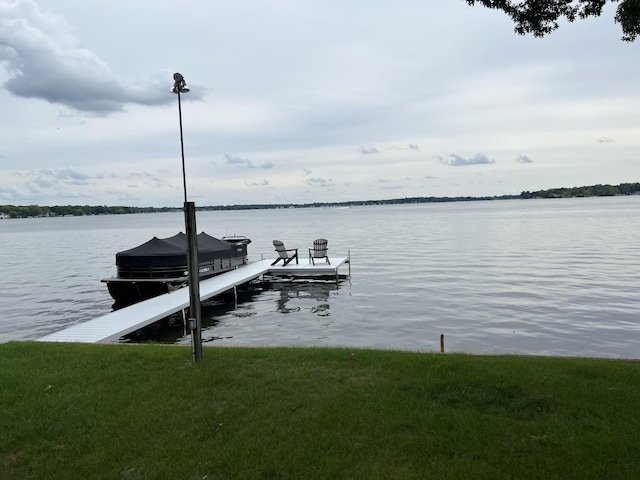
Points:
x=146 y=412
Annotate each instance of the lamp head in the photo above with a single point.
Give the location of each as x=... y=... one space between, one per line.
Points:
x=179 y=84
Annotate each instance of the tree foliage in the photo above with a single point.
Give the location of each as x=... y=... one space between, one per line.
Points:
x=540 y=17
x=13 y=211
x=590 y=191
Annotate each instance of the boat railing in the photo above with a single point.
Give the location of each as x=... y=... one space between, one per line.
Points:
x=177 y=271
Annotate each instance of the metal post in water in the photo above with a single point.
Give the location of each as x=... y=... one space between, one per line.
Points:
x=194 y=280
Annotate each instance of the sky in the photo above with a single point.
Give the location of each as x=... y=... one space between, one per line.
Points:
x=299 y=101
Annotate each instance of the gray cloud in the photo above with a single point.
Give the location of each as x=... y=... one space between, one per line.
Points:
x=46 y=62
x=319 y=182
x=523 y=159
x=387 y=184
x=68 y=174
x=605 y=140
x=245 y=162
x=266 y=165
x=43 y=179
x=367 y=150
x=263 y=183
x=10 y=194
x=459 y=161
x=43 y=182
x=411 y=146
x=392 y=184
x=231 y=160
x=60 y=182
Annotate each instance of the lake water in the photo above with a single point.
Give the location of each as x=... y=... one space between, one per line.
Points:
x=545 y=277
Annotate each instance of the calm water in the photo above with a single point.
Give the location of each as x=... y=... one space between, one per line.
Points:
x=552 y=277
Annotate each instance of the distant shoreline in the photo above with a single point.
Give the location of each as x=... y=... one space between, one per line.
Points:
x=28 y=211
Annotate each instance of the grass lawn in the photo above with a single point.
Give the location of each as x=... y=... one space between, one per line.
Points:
x=71 y=411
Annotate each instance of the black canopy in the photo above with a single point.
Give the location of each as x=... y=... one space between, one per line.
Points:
x=172 y=251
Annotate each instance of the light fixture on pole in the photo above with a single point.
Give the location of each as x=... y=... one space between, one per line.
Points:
x=195 y=317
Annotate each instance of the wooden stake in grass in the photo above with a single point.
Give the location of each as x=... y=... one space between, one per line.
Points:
x=441 y=343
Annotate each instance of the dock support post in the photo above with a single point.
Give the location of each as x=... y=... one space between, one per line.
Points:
x=194 y=280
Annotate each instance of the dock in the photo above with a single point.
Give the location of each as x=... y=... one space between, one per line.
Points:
x=111 y=327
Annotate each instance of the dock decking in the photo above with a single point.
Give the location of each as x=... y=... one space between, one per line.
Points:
x=110 y=327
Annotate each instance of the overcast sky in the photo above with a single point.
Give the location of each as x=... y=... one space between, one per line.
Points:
x=298 y=101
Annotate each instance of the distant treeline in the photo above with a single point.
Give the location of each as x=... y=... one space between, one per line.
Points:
x=592 y=191
x=13 y=211
x=73 y=210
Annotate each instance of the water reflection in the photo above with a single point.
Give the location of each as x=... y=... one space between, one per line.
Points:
x=256 y=299
x=173 y=329
x=279 y=313
x=293 y=295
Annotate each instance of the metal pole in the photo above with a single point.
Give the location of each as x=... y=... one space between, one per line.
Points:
x=195 y=315
x=194 y=281
x=184 y=174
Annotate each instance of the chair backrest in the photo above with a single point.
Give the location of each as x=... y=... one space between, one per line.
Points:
x=320 y=248
x=280 y=248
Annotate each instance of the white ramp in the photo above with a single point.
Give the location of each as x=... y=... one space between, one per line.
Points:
x=110 y=327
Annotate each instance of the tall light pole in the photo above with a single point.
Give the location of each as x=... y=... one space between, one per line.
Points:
x=195 y=317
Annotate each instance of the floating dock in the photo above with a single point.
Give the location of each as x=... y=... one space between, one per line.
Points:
x=111 y=327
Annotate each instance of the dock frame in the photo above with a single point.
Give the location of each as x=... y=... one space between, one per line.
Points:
x=111 y=327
